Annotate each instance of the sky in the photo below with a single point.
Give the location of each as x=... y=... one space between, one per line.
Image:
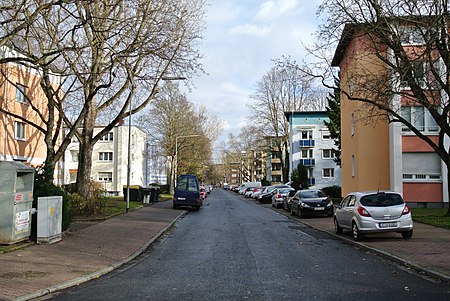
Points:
x=241 y=40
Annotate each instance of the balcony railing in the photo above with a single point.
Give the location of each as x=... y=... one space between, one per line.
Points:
x=308 y=162
x=307 y=143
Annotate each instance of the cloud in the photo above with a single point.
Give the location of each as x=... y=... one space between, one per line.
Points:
x=252 y=30
x=276 y=8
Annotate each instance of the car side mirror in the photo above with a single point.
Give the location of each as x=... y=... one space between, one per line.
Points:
x=337 y=206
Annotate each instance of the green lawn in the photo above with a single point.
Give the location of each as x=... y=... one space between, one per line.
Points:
x=435 y=217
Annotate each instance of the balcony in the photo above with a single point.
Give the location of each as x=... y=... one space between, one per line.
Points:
x=308 y=162
x=307 y=143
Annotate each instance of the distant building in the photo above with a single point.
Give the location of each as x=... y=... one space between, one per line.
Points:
x=110 y=159
x=274 y=172
x=312 y=146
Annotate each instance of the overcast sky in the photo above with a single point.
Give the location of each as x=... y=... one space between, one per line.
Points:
x=242 y=39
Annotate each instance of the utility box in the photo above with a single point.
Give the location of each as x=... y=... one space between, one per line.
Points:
x=16 y=200
x=49 y=219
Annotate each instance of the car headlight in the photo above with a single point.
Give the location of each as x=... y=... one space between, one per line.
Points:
x=303 y=205
x=330 y=203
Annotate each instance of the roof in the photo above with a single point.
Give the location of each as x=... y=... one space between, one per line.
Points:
x=346 y=36
x=305 y=113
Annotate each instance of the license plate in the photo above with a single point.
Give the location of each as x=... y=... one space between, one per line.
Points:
x=319 y=208
x=388 y=225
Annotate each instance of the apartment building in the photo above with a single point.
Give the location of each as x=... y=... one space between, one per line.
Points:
x=20 y=84
x=312 y=146
x=376 y=153
x=110 y=159
x=274 y=173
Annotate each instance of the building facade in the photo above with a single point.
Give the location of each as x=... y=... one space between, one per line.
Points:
x=274 y=173
x=312 y=146
x=376 y=153
x=110 y=159
x=20 y=91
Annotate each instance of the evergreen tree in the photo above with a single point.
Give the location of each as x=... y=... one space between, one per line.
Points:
x=334 y=113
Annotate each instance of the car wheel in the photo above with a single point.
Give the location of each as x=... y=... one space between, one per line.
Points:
x=174 y=206
x=338 y=229
x=355 y=232
x=407 y=234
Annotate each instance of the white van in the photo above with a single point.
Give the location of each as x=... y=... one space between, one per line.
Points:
x=246 y=185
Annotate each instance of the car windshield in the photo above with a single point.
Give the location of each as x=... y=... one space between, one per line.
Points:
x=284 y=190
x=381 y=200
x=312 y=194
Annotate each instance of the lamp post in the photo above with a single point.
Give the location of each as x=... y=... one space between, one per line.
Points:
x=176 y=155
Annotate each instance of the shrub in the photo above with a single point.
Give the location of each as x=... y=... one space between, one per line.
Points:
x=89 y=205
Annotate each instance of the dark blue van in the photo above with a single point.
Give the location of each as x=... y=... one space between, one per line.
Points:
x=187 y=192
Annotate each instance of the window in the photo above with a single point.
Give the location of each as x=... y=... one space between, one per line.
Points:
x=107 y=156
x=352 y=124
x=353 y=165
x=328 y=173
x=307 y=135
x=328 y=153
x=306 y=154
x=20 y=93
x=420 y=118
x=107 y=137
x=326 y=135
x=105 y=176
x=418 y=68
x=19 y=130
x=74 y=154
x=412 y=36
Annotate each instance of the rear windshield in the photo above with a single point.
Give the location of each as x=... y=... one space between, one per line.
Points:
x=381 y=200
x=312 y=194
x=187 y=183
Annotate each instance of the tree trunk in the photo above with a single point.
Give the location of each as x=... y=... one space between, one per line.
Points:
x=448 y=189
x=285 y=161
x=85 y=155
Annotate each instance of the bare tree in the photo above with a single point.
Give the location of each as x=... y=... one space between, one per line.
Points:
x=284 y=88
x=113 y=54
x=407 y=57
x=174 y=123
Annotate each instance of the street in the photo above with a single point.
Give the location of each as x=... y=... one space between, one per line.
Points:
x=235 y=249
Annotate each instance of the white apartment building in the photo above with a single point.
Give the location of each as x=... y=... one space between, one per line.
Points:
x=110 y=159
x=312 y=146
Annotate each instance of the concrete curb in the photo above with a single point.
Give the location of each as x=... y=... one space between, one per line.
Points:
x=101 y=272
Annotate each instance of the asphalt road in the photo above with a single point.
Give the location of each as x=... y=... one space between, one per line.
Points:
x=235 y=249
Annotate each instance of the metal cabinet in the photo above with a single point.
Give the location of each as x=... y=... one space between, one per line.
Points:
x=16 y=200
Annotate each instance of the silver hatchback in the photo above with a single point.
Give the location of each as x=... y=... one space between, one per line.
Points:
x=373 y=212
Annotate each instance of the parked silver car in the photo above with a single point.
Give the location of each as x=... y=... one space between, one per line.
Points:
x=373 y=212
x=277 y=198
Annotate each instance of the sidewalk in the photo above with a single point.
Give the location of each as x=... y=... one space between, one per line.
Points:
x=90 y=250
x=87 y=251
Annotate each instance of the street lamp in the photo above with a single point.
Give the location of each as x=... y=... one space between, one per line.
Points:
x=176 y=155
x=165 y=78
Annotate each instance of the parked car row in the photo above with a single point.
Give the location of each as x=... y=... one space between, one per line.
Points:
x=359 y=212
